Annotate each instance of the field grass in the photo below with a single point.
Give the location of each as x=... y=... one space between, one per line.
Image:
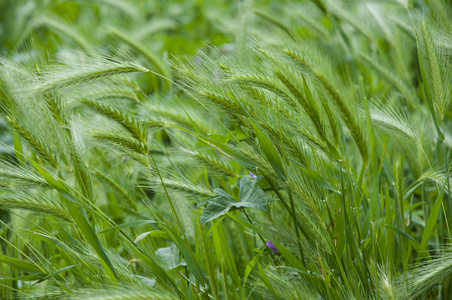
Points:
x=225 y=149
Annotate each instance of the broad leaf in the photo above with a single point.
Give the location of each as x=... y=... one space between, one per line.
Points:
x=250 y=196
x=218 y=206
x=170 y=257
x=154 y=233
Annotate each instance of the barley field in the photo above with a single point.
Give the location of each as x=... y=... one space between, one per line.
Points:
x=225 y=149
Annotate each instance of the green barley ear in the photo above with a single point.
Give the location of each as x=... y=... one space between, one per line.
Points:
x=435 y=69
x=21 y=199
x=84 y=69
x=387 y=116
x=38 y=145
x=215 y=163
x=127 y=121
x=13 y=174
x=124 y=293
x=112 y=89
x=341 y=104
x=430 y=68
x=421 y=279
x=176 y=184
x=223 y=102
x=127 y=142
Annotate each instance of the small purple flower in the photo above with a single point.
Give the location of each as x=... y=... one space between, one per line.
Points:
x=252 y=175
x=272 y=247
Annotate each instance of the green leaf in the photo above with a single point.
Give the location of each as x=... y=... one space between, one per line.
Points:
x=32 y=277
x=155 y=233
x=270 y=151
x=249 y=268
x=266 y=281
x=250 y=196
x=230 y=152
x=192 y=263
x=51 y=240
x=55 y=183
x=316 y=177
x=252 y=264
x=259 y=230
x=403 y=233
x=18 y=148
x=79 y=216
x=85 y=227
x=128 y=225
x=295 y=270
x=291 y=259
x=20 y=264
x=169 y=257
x=431 y=222
x=218 y=206
x=54 y=274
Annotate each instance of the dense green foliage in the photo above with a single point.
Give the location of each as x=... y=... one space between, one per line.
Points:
x=225 y=149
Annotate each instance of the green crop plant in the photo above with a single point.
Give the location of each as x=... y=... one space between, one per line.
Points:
x=225 y=149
